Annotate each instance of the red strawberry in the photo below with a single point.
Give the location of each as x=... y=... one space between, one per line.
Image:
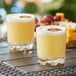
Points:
x=57 y=18
x=48 y=18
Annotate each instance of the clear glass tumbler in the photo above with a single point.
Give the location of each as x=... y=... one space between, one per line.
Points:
x=20 y=31
x=51 y=45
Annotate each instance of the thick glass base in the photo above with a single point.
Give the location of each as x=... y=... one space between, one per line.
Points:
x=25 y=48
x=59 y=61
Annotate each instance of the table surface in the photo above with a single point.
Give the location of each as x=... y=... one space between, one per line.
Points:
x=29 y=62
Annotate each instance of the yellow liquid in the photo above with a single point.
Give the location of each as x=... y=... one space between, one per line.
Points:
x=20 y=32
x=51 y=47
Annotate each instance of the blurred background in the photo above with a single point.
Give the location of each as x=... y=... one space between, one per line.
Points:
x=38 y=7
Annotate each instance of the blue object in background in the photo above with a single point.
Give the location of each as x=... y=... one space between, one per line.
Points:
x=16 y=10
x=2 y=12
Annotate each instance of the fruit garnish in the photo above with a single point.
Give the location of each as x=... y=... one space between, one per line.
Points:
x=61 y=15
x=24 y=16
x=54 y=29
x=36 y=20
x=36 y=27
x=48 y=18
x=75 y=29
x=74 y=36
x=46 y=24
x=43 y=21
x=57 y=18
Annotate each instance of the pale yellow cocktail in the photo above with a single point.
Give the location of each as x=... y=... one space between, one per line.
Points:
x=20 y=29
x=51 y=44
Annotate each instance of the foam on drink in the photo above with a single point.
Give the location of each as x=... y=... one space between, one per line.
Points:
x=51 y=30
x=20 y=17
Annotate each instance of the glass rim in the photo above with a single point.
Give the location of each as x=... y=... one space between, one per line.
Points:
x=21 y=17
x=42 y=30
